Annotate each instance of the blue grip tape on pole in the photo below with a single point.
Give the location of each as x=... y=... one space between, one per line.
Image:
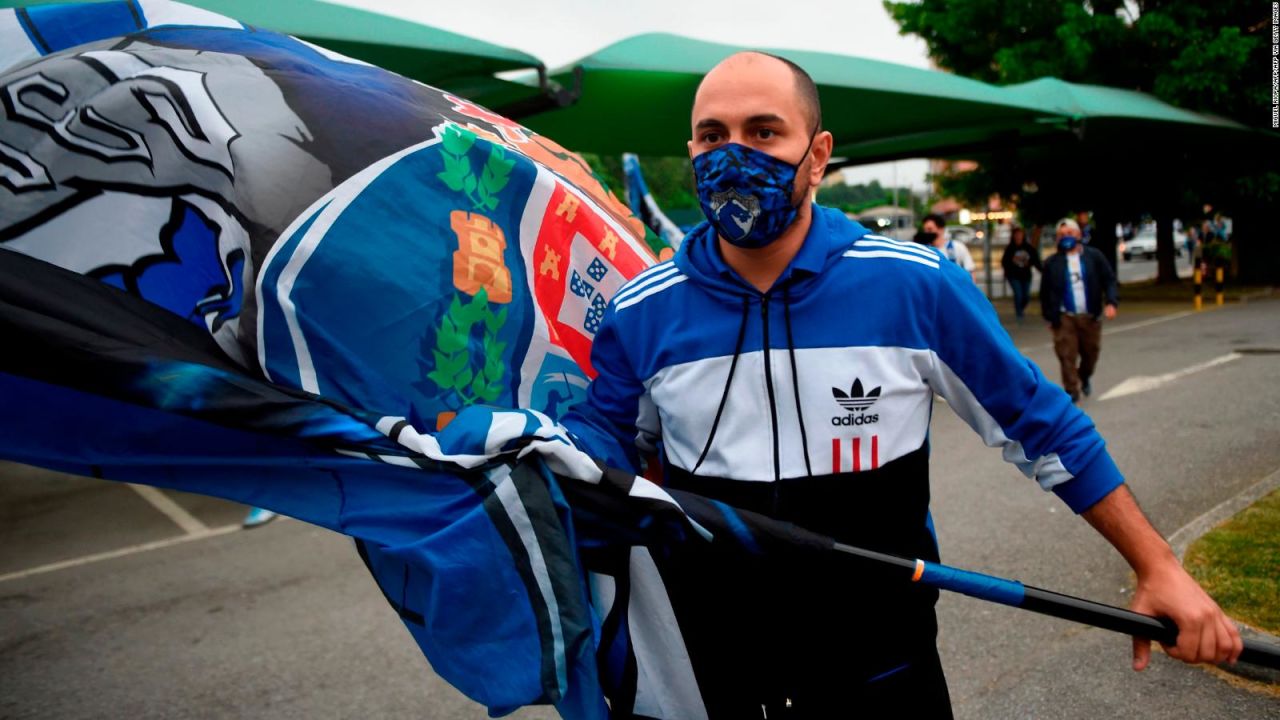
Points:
x=984 y=587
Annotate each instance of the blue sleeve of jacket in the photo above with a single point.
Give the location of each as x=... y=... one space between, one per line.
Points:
x=1010 y=403
x=604 y=424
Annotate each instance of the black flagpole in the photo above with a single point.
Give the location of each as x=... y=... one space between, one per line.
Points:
x=1047 y=602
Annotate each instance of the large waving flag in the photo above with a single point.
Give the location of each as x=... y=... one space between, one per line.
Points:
x=240 y=265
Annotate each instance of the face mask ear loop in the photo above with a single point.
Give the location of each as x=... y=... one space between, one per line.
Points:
x=808 y=149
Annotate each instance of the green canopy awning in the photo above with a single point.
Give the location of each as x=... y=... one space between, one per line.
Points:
x=443 y=59
x=636 y=96
x=1102 y=118
x=1078 y=102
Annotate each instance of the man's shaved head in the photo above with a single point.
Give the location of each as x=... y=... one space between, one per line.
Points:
x=806 y=90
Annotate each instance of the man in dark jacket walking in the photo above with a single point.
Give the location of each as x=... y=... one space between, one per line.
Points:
x=1076 y=287
x=1018 y=259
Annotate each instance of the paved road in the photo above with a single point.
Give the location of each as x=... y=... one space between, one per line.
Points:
x=283 y=622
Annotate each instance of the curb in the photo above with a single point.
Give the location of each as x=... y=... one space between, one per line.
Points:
x=1194 y=530
x=1261 y=294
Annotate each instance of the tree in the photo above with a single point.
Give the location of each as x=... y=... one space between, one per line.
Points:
x=857 y=198
x=1203 y=56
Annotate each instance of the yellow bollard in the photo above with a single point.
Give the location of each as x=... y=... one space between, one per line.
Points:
x=1199 y=304
x=1218 y=285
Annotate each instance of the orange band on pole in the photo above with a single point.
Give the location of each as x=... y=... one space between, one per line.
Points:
x=915 y=577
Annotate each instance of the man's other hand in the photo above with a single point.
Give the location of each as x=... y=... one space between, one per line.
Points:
x=1165 y=589
x=1109 y=312
x=1205 y=633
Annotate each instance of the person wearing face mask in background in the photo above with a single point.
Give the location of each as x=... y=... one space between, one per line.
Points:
x=785 y=362
x=933 y=231
x=1018 y=259
x=1076 y=287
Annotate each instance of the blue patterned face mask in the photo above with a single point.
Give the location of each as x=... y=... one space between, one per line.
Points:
x=746 y=193
x=1067 y=242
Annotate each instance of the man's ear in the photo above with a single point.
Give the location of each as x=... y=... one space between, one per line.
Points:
x=822 y=146
x=689 y=144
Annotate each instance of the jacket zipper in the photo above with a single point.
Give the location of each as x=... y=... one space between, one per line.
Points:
x=773 y=409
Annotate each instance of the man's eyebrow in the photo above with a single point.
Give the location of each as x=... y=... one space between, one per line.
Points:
x=753 y=120
x=766 y=118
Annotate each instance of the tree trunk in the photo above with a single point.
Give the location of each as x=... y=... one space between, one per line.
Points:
x=1167 y=271
x=1254 y=248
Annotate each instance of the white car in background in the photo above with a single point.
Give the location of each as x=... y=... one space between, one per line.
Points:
x=1143 y=245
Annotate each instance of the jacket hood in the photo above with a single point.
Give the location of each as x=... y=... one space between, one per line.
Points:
x=830 y=235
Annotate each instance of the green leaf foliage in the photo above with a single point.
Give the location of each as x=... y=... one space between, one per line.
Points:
x=457 y=140
x=1204 y=56
x=459 y=176
x=468 y=356
x=1199 y=55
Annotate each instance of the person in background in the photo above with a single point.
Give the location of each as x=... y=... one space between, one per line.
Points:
x=1076 y=287
x=1018 y=259
x=1086 y=227
x=1192 y=241
x=935 y=227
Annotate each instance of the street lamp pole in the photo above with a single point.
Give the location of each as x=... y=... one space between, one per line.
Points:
x=986 y=255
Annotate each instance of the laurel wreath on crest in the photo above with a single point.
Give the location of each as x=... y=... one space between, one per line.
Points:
x=458 y=176
x=455 y=348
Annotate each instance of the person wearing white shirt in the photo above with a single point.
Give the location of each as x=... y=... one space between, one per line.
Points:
x=1077 y=287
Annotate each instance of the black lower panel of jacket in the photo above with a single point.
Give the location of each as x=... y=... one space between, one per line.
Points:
x=804 y=627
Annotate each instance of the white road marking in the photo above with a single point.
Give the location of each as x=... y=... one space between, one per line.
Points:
x=1144 y=383
x=1144 y=323
x=1112 y=330
x=121 y=552
x=189 y=523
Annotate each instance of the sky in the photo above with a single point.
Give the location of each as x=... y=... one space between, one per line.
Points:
x=561 y=31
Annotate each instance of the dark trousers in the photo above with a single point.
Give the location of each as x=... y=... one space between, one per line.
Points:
x=1077 y=340
x=1021 y=294
x=916 y=689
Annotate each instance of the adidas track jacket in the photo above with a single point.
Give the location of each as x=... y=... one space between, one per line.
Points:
x=812 y=403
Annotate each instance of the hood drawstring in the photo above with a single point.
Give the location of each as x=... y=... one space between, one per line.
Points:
x=795 y=378
x=733 y=365
x=795 y=387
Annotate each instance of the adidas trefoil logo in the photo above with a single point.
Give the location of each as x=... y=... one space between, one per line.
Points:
x=855 y=401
